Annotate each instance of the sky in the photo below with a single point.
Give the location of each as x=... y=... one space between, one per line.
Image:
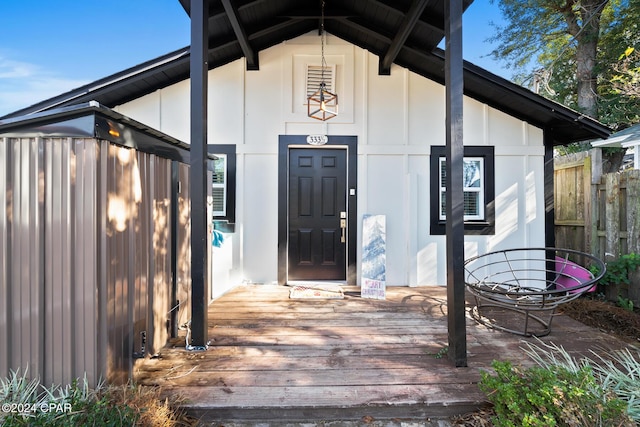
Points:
x=48 y=47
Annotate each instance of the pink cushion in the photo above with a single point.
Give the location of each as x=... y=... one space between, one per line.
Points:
x=568 y=268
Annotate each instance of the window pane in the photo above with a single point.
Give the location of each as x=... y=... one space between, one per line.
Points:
x=218 y=184
x=219 y=170
x=472 y=185
x=472 y=172
x=471 y=203
x=218 y=200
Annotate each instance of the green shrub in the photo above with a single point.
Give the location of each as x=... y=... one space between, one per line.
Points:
x=617 y=371
x=625 y=303
x=619 y=269
x=551 y=396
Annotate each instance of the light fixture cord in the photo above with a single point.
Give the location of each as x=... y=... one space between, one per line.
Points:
x=322 y=42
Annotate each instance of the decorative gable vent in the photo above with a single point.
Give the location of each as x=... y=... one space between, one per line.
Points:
x=314 y=78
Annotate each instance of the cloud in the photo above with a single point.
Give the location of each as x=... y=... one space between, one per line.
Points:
x=23 y=84
x=14 y=69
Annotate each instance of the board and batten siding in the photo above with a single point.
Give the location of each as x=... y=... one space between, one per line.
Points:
x=85 y=257
x=396 y=119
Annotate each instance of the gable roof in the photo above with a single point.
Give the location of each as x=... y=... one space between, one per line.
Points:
x=404 y=32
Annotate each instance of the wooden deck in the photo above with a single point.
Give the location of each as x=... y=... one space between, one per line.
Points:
x=273 y=358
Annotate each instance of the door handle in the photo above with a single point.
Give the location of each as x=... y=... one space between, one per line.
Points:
x=343 y=227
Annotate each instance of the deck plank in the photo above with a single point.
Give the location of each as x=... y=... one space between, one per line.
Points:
x=275 y=358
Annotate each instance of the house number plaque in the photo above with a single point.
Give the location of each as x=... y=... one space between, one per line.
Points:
x=317 y=139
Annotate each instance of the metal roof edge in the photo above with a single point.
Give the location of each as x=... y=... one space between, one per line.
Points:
x=37 y=123
x=562 y=111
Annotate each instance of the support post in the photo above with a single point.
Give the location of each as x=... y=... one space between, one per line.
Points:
x=549 y=203
x=456 y=315
x=175 y=187
x=198 y=172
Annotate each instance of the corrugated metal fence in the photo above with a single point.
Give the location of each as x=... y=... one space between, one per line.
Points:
x=93 y=254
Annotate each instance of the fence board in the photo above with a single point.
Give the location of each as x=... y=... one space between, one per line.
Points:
x=572 y=202
x=633 y=210
x=612 y=214
x=598 y=214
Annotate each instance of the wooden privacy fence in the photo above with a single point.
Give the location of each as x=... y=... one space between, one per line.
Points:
x=598 y=213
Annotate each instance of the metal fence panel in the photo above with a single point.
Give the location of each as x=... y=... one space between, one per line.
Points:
x=85 y=257
x=24 y=228
x=4 y=262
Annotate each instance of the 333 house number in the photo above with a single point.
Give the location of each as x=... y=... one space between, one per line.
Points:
x=317 y=139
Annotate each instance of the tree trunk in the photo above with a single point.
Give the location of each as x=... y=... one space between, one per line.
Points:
x=587 y=87
x=583 y=23
x=612 y=160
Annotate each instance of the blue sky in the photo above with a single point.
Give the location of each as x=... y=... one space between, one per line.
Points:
x=48 y=47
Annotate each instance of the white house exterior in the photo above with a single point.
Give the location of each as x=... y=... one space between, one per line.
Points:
x=628 y=138
x=288 y=193
x=396 y=119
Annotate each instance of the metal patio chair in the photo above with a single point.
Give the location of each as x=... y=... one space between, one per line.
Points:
x=519 y=290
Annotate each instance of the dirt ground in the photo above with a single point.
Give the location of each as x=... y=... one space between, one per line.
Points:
x=606 y=316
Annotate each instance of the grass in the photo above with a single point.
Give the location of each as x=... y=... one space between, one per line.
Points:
x=26 y=402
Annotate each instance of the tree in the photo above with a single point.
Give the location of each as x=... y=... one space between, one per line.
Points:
x=553 y=31
x=572 y=45
x=626 y=81
x=618 y=57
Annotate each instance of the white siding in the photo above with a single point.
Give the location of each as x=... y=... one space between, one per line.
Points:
x=396 y=119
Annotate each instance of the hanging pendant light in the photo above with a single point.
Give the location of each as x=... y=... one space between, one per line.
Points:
x=322 y=104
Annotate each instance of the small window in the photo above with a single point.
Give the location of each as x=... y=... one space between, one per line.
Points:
x=223 y=182
x=478 y=188
x=219 y=185
x=473 y=187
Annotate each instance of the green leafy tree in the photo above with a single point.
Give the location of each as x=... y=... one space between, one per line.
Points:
x=627 y=78
x=568 y=50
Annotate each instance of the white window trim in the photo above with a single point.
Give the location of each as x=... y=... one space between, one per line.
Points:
x=480 y=190
x=222 y=185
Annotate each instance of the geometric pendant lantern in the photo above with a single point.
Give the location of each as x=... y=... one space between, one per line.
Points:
x=322 y=104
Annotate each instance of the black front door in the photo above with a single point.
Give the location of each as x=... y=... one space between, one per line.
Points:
x=317 y=214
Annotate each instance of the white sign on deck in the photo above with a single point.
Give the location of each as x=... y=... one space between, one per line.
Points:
x=374 y=257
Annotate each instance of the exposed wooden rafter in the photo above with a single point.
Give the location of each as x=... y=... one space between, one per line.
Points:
x=249 y=53
x=408 y=23
x=363 y=28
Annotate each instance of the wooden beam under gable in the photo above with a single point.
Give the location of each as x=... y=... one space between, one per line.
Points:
x=250 y=54
x=408 y=23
